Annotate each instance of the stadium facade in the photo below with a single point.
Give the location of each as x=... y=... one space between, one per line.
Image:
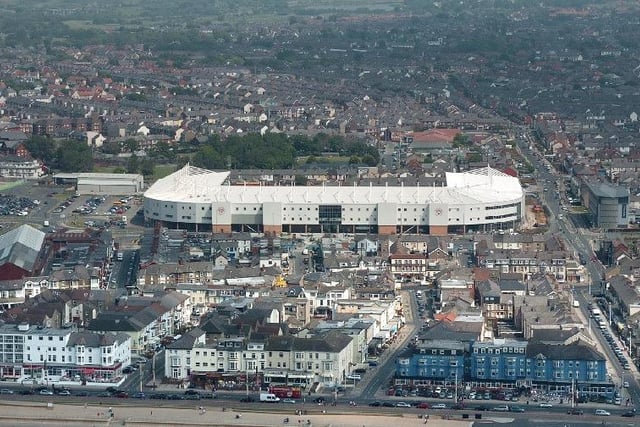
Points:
x=202 y=200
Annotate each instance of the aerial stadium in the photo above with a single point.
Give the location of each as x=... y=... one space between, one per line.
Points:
x=203 y=200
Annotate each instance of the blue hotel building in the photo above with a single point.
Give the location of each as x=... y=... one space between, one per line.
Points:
x=440 y=361
x=506 y=364
x=499 y=361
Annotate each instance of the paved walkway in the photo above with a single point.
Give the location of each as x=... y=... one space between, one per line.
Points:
x=93 y=415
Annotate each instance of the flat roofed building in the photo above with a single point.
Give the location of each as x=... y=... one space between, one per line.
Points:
x=607 y=204
x=103 y=183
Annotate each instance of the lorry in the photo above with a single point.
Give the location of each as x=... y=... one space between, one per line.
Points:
x=269 y=397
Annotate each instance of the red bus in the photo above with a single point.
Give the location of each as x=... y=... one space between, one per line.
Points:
x=284 y=392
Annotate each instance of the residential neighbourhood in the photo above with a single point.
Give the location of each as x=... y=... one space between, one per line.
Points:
x=458 y=221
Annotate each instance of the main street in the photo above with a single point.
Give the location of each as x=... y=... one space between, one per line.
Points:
x=373 y=382
x=577 y=239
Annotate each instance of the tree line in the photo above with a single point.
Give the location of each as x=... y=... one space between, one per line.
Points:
x=248 y=151
x=278 y=151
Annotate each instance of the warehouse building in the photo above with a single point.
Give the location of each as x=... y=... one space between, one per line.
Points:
x=102 y=183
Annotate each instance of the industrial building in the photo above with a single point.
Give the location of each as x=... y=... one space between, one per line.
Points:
x=116 y=184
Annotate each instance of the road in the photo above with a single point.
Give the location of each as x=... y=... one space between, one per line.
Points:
x=371 y=384
x=575 y=236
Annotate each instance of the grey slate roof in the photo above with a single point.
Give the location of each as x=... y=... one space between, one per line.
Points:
x=21 y=247
x=329 y=342
x=187 y=341
x=90 y=339
x=576 y=351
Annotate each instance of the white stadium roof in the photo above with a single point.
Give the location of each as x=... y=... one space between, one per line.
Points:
x=196 y=185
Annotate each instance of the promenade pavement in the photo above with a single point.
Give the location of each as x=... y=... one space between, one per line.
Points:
x=21 y=414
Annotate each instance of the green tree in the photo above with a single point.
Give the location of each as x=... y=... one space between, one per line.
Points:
x=461 y=140
x=41 y=147
x=73 y=156
x=147 y=167
x=110 y=147
x=130 y=145
x=133 y=164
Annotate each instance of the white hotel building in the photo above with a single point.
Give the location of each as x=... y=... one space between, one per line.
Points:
x=203 y=200
x=52 y=355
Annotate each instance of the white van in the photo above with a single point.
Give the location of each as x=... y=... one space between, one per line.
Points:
x=269 y=397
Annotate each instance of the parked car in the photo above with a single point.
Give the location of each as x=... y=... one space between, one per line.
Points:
x=501 y=408
x=402 y=405
x=46 y=392
x=6 y=391
x=287 y=400
x=545 y=405
x=158 y=396
x=575 y=411
x=247 y=399
x=439 y=406
x=602 y=413
x=629 y=414
x=516 y=409
x=375 y=404
x=423 y=405
x=64 y=392
x=388 y=404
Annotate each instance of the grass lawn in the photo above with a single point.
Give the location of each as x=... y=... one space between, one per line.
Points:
x=160 y=171
x=11 y=184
